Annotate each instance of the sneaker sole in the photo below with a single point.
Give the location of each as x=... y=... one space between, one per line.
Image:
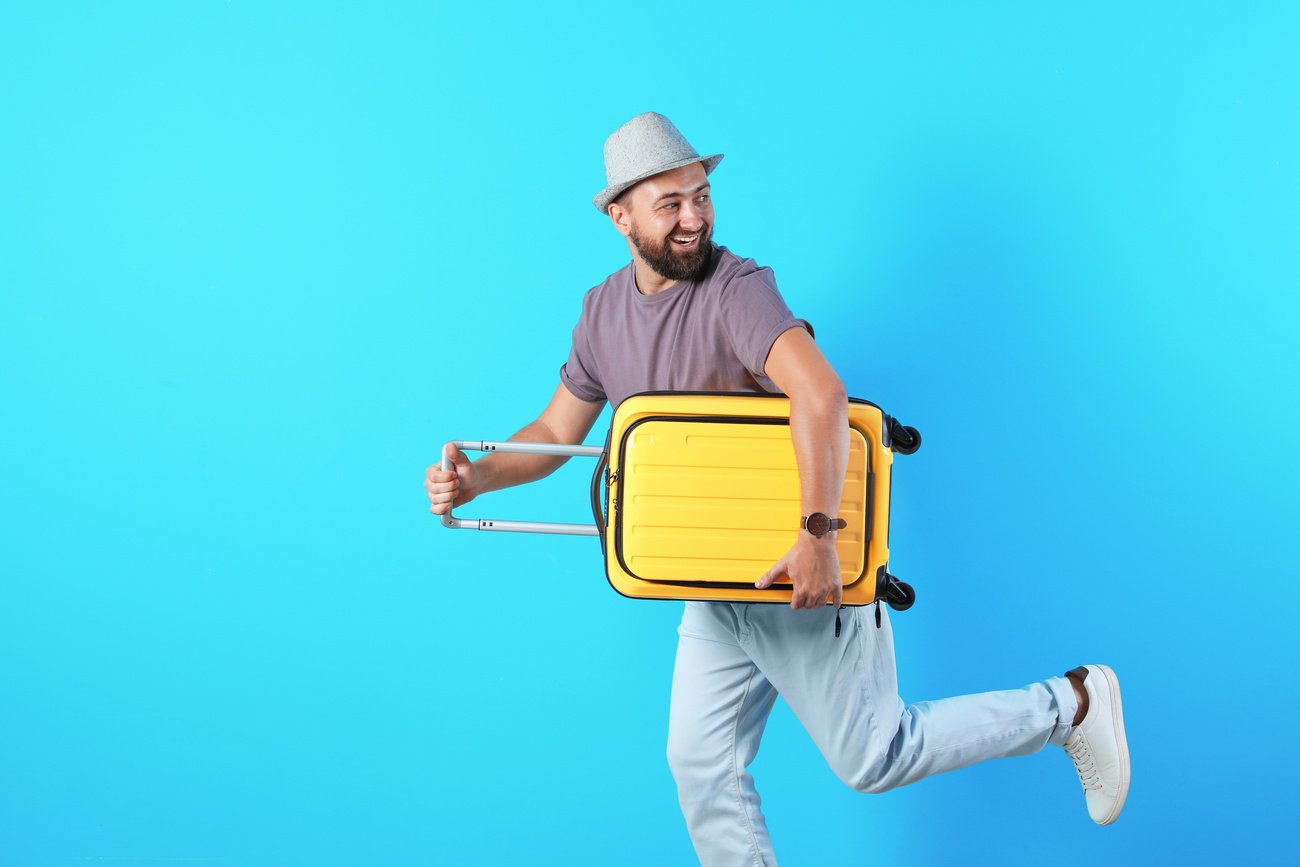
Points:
x=1117 y=718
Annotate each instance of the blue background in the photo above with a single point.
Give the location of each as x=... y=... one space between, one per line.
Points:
x=259 y=260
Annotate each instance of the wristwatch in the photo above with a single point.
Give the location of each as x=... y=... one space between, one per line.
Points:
x=819 y=525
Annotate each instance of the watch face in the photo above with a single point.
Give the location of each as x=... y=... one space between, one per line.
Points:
x=818 y=524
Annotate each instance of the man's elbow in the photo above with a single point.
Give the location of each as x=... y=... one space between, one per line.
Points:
x=835 y=391
x=824 y=392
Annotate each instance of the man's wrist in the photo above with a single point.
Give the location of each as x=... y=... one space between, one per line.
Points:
x=827 y=540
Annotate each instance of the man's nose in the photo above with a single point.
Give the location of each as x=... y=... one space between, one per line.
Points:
x=689 y=217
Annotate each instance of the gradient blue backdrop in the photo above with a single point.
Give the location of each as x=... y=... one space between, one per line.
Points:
x=258 y=260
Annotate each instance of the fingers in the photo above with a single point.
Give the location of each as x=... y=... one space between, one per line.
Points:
x=440 y=504
x=805 y=599
x=771 y=575
x=800 y=598
x=813 y=585
x=442 y=486
x=436 y=481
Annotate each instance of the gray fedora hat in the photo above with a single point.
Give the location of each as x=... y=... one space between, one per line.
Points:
x=646 y=145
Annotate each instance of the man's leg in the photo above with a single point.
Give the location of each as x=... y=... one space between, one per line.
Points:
x=845 y=692
x=720 y=705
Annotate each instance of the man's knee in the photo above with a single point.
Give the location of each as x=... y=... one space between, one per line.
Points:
x=689 y=761
x=862 y=772
x=871 y=782
x=869 y=762
x=679 y=758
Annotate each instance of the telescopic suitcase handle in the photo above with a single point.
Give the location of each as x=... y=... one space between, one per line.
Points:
x=524 y=449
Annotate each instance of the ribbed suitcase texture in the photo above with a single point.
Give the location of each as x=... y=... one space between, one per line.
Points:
x=703 y=497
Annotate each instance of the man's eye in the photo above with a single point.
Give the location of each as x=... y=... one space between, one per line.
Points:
x=702 y=199
x=671 y=205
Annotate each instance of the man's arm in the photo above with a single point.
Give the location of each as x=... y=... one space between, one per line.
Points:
x=566 y=419
x=819 y=425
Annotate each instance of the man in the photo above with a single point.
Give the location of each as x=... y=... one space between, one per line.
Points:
x=687 y=315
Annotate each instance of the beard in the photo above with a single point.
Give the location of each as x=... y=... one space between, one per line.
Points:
x=671 y=263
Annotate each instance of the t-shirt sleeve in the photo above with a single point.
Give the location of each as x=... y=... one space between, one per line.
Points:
x=755 y=315
x=579 y=373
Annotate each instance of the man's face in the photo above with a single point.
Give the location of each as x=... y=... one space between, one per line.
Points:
x=670 y=221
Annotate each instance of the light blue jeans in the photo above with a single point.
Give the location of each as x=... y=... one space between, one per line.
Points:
x=733 y=661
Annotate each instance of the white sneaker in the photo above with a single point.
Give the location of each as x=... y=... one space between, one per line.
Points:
x=1098 y=746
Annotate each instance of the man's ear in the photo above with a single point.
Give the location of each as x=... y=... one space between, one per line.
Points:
x=622 y=220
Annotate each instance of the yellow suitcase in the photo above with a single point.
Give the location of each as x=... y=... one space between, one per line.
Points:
x=696 y=495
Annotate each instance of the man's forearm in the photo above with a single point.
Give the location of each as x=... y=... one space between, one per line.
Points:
x=819 y=426
x=506 y=469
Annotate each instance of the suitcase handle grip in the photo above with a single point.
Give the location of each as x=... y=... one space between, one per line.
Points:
x=554 y=449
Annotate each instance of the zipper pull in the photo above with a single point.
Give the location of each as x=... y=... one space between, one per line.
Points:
x=837 y=623
x=877 y=613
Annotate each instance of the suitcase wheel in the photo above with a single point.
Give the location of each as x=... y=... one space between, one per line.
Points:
x=905 y=440
x=899 y=595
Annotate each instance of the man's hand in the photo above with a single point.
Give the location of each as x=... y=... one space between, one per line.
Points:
x=814 y=568
x=566 y=419
x=450 y=488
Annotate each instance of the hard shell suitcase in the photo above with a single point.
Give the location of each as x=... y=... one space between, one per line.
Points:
x=696 y=495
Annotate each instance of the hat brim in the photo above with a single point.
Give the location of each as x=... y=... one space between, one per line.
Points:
x=610 y=193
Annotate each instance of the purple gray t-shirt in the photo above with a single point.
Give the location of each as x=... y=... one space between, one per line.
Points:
x=710 y=334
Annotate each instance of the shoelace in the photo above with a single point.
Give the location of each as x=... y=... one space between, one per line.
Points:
x=1084 y=764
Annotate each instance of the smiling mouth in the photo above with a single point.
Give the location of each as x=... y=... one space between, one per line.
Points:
x=685 y=240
